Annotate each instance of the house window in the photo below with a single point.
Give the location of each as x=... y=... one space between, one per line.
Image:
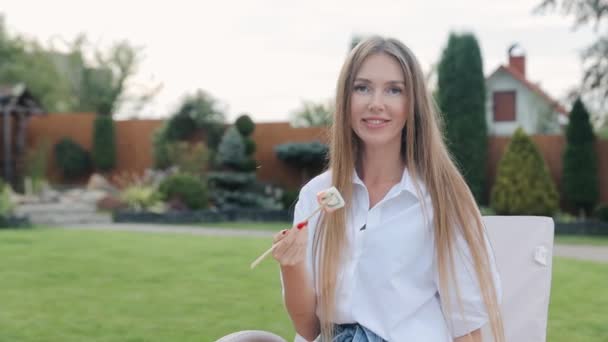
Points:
x=504 y=106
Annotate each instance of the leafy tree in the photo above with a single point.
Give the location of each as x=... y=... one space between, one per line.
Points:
x=595 y=56
x=312 y=114
x=25 y=61
x=100 y=85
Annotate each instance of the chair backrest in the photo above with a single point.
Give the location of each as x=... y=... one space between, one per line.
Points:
x=523 y=247
x=251 y=336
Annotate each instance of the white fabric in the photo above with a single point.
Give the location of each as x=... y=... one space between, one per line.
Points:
x=523 y=246
x=388 y=282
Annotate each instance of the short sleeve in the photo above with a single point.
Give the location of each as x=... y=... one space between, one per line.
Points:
x=473 y=314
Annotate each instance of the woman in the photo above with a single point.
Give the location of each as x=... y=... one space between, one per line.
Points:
x=407 y=259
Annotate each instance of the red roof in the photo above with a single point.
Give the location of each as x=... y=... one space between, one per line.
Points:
x=533 y=87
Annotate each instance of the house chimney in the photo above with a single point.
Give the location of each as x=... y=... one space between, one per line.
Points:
x=517 y=59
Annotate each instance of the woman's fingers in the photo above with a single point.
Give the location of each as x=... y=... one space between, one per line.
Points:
x=291 y=246
x=279 y=236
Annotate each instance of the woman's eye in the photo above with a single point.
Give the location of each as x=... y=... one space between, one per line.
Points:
x=361 y=88
x=394 y=91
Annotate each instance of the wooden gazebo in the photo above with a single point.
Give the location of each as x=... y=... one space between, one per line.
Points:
x=17 y=105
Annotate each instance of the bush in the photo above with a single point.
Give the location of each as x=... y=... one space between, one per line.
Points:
x=141 y=197
x=289 y=198
x=485 y=211
x=601 y=212
x=564 y=217
x=73 y=160
x=185 y=188
x=523 y=184
x=189 y=158
x=245 y=125
x=308 y=157
x=104 y=143
x=6 y=205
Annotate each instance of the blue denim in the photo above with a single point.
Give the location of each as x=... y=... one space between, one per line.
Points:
x=354 y=333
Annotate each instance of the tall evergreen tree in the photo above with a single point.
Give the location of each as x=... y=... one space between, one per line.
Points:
x=104 y=143
x=462 y=96
x=579 y=177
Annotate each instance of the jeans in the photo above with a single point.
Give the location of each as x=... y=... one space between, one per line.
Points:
x=354 y=333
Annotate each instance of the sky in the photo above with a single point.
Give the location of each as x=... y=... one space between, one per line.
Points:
x=265 y=57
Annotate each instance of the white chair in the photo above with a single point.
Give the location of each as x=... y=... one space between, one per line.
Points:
x=251 y=336
x=523 y=248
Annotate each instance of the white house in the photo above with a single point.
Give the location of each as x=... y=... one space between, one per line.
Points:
x=513 y=101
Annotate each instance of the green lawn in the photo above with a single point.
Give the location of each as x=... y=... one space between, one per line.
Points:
x=582 y=240
x=116 y=286
x=276 y=226
x=578 y=311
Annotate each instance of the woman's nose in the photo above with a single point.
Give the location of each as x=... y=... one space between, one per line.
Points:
x=376 y=102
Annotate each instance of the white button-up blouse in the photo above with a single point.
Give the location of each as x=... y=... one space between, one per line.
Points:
x=389 y=281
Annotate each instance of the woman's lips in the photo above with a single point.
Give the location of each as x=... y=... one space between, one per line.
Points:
x=375 y=123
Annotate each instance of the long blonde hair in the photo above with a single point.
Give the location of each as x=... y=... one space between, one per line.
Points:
x=428 y=160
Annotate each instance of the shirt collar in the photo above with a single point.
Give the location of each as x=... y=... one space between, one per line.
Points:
x=406 y=183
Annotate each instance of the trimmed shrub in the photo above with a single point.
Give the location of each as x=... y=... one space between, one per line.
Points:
x=308 y=157
x=72 y=159
x=245 y=125
x=249 y=146
x=523 y=184
x=104 y=143
x=185 y=188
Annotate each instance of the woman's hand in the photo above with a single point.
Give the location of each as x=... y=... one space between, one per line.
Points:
x=290 y=247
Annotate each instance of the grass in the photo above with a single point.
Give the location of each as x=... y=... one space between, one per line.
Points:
x=579 y=302
x=582 y=240
x=115 y=286
x=60 y=285
x=274 y=226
